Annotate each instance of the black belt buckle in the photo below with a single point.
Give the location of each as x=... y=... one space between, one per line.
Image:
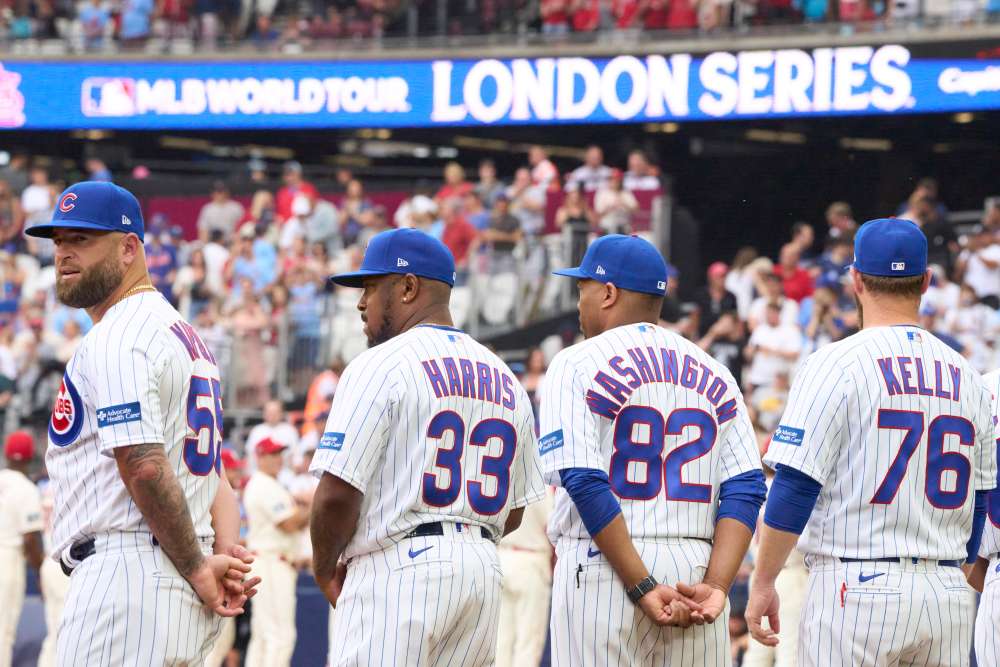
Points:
x=79 y=552
x=436 y=529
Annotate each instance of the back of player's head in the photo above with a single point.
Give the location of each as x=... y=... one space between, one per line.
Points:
x=891 y=256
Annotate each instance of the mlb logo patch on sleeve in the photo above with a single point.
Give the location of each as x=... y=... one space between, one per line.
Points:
x=550 y=442
x=119 y=414
x=789 y=435
x=331 y=440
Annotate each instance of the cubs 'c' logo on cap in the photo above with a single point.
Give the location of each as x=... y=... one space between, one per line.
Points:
x=66 y=203
x=67 y=417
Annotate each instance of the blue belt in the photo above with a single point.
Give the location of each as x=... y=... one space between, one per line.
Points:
x=942 y=563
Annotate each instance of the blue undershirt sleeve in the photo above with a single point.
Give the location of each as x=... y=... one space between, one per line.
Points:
x=590 y=491
x=740 y=498
x=978 y=523
x=791 y=500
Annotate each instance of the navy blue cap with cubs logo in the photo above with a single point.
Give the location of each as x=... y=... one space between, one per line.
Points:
x=402 y=251
x=890 y=247
x=94 y=205
x=628 y=262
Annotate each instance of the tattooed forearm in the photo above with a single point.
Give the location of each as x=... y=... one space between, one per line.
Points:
x=151 y=482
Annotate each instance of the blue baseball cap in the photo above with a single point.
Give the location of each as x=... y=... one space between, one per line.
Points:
x=631 y=263
x=94 y=205
x=402 y=251
x=890 y=247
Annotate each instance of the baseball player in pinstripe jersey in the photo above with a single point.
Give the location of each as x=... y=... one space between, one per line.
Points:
x=428 y=458
x=985 y=575
x=660 y=479
x=133 y=455
x=882 y=462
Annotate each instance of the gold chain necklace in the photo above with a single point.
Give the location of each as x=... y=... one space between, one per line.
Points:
x=135 y=290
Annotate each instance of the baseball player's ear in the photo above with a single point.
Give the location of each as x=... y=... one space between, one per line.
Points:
x=610 y=295
x=411 y=288
x=927 y=281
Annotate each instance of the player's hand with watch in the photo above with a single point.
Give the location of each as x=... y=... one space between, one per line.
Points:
x=662 y=604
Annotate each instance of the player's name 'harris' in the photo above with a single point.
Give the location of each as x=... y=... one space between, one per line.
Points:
x=460 y=377
x=649 y=365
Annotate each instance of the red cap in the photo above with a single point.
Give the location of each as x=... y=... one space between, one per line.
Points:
x=230 y=461
x=268 y=446
x=717 y=269
x=20 y=446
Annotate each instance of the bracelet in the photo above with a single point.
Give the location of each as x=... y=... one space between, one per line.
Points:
x=640 y=589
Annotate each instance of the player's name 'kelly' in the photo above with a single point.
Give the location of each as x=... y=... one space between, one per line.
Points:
x=945 y=386
x=651 y=365
x=461 y=377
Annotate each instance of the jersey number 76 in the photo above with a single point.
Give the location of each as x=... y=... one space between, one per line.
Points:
x=939 y=461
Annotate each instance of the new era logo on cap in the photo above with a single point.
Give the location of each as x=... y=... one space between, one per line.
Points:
x=401 y=262
x=601 y=271
x=661 y=284
x=125 y=220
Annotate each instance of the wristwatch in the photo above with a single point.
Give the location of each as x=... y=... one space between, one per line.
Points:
x=640 y=589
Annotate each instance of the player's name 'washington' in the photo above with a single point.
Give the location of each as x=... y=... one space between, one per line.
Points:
x=899 y=377
x=651 y=365
x=462 y=377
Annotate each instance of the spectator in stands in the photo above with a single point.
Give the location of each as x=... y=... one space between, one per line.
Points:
x=825 y=323
x=171 y=20
x=354 y=209
x=772 y=292
x=773 y=349
x=501 y=236
x=942 y=242
x=136 y=18
x=294 y=227
x=712 y=300
x=554 y=17
x=641 y=175
x=455 y=186
x=803 y=238
x=161 y=261
x=767 y=403
x=243 y=268
x=527 y=202
x=247 y=324
x=216 y=256
x=322 y=224
x=796 y=281
x=69 y=340
x=37 y=201
x=16 y=173
x=293 y=185
x=682 y=15
x=615 y=206
x=626 y=13
x=375 y=221
x=577 y=218
x=488 y=188
x=593 y=174
x=97 y=170
x=740 y=279
x=475 y=213
x=832 y=265
x=275 y=426
x=724 y=340
x=585 y=15
x=94 y=19
x=11 y=220
x=543 y=173
x=305 y=310
x=262 y=209
x=656 y=15
x=926 y=188
x=265 y=36
x=979 y=266
x=975 y=325
x=841 y=220
x=222 y=213
x=459 y=235
x=328 y=27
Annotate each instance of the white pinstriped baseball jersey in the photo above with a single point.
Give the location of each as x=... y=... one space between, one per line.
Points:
x=430 y=426
x=662 y=417
x=898 y=428
x=990 y=546
x=141 y=375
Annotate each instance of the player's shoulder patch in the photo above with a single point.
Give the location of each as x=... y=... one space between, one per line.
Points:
x=789 y=435
x=67 y=414
x=550 y=442
x=332 y=441
x=119 y=414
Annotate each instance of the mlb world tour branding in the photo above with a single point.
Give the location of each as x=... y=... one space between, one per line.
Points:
x=720 y=85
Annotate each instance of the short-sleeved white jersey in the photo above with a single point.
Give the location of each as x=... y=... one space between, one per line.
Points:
x=430 y=426
x=140 y=376
x=990 y=546
x=665 y=420
x=898 y=428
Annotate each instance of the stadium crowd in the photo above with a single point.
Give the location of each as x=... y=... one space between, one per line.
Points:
x=253 y=283
x=94 y=25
